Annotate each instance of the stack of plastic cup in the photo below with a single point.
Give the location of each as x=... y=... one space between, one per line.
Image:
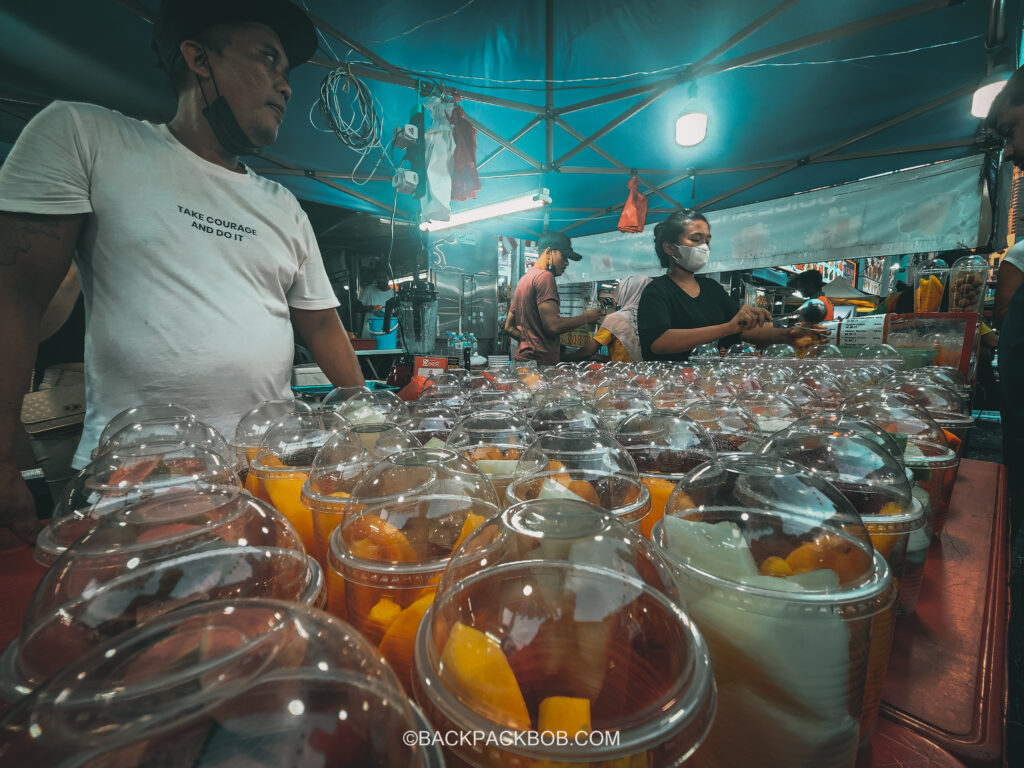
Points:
x=582 y=464
x=558 y=626
x=284 y=459
x=494 y=441
x=415 y=508
x=664 y=445
x=218 y=684
x=779 y=574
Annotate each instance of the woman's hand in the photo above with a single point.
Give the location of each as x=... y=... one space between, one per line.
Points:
x=748 y=318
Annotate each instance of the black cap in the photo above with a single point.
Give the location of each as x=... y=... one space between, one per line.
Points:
x=557 y=241
x=180 y=20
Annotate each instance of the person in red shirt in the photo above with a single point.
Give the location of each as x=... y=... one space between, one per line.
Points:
x=533 y=317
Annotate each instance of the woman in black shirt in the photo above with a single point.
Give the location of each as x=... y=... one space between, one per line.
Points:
x=680 y=311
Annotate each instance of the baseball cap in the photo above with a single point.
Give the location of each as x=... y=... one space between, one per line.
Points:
x=557 y=241
x=179 y=20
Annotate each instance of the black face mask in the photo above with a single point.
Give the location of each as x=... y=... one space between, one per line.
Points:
x=223 y=123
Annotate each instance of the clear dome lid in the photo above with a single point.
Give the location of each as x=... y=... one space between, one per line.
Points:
x=716 y=388
x=850 y=425
x=802 y=396
x=824 y=352
x=379 y=406
x=451 y=378
x=741 y=350
x=290 y=445
x=568 y=530
x=773 y=375
x=706 y=352
x=942 y=403
x=155 y=556
x=447 y=396
x=529 y=375
x=339 y=395
x=855 y=379
x=779 y=351
x=515 y=389
x=142 y=413
x=431 y=424
x=870 y=478
x=117 y=478
x=938 y=374
x=219 y=683
x=878 y=395
x=877 y=351
x=552 y=394
x=907 y=421
x=744 y=381
x=345 y=457
x=826 y=386
x=732 y=427
x=490 y=400
x=493 y=440
x=565 y=415
x=581 y=464
x=767 y=524
x=255 y=423
x=664 y=442
x=616 y=405
x=678 y=395
x=570 y=630
x=771 y=411
x=178 y=430
x=414 y=475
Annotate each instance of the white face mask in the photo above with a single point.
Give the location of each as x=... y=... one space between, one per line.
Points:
x=693 y=258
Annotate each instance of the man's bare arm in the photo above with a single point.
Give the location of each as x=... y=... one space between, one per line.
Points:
x=555 y=324
x=35 y=254
x=326 y=338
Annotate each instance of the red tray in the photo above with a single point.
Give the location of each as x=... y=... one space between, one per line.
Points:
x=947 y=676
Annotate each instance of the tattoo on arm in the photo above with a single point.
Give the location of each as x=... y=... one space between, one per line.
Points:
x=24 y=229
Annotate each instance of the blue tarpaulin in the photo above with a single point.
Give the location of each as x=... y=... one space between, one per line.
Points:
x=853 y=67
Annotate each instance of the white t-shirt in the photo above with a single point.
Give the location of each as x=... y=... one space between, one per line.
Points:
x=187 y=269
x=372 y=296
x=1015 y=255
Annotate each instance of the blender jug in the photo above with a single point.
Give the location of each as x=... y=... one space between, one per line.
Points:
x=417 y=315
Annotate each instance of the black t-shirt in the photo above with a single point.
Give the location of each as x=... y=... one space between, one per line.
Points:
x=664 y=305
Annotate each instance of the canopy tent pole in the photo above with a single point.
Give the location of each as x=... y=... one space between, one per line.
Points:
x=519 y=134
x=504 y=143
x=799 y=44
x=692 y=72
x=549 y=95
x=793 y=165
x=655 y=189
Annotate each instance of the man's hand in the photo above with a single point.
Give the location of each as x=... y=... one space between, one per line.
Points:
x=17 y=507
x=593 y=315
x=749 y=318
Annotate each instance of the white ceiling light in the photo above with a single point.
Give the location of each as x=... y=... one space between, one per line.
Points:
x=516 y=205
x=691 y=129
x=990 y=87
x=692 y=126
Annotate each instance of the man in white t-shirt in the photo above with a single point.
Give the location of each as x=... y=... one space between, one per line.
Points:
x=193 y=268
x=376 y=294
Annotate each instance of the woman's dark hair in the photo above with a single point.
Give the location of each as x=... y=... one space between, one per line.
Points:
x=1012 y=95
x=809 y=282
x=669 y=230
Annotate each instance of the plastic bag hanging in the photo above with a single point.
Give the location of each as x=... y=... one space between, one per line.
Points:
x=440 y=146
x=634 y=212
x=465 y=179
